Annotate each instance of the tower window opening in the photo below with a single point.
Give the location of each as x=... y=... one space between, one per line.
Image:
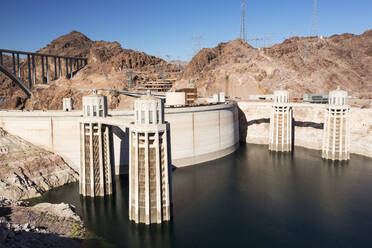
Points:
x=150 y=117
x=142 y=117
x=94 y=111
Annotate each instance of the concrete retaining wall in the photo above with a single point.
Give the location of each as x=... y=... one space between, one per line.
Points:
x=198 y=134
x=308 y=121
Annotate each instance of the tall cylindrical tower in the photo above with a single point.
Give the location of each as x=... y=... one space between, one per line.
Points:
x=149 y=163
x=336 y=132
x=96 y=177
x=281 y=123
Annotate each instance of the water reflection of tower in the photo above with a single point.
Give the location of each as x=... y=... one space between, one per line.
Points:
x=149 y=163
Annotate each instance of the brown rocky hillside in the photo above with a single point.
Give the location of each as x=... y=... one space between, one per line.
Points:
x=107 y=66
x=302 y=65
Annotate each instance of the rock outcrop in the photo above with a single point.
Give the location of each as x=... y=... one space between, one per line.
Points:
x=108 y=64
x=27 y=171
x=301 y=65
x=43 y=225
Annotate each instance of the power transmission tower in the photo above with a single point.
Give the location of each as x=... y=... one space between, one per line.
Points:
x=305 y=53
x=196 y=38
x=243 y=28
x=104 y=72
x=130 y=83
x=314 y=20
x=268 y=37
x=160 y=72
x=256 y=40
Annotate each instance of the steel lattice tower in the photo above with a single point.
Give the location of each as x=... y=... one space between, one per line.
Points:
x=314 y=20
x=243 y=29
x=196 y=38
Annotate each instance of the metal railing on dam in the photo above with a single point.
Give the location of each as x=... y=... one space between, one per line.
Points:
x=23 y=71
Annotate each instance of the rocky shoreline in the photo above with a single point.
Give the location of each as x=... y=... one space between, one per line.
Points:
x=43 y=225
x=27 y=171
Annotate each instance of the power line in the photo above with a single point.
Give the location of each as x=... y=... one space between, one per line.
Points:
x=243 y=28
x=314 y=20
x=196 y=38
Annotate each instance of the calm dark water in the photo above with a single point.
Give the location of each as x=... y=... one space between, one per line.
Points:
x=252 y=198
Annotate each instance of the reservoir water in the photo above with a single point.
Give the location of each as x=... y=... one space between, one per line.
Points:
x=252 y=198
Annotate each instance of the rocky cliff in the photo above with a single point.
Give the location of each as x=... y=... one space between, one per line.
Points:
x=27 y=171
x=108 y=67
x=302 y=65
x=43 y=225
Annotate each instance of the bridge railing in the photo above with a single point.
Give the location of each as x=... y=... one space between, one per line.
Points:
x=30 y=75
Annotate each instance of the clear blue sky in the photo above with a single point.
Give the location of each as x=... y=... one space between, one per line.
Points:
x=165 y=27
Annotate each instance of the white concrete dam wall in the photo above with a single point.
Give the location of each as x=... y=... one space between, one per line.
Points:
x=201 y=134
x=198 y=134
x=308 y=121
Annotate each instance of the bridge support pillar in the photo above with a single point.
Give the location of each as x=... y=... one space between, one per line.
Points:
x=336 y=132
x=55 y=68
x=33 y=69
x=281 y=123
x=13 y=63
x=70 y=68
x=42 y=70
x=66 y=65
x=149 y=164
x=59 y=68
x=96 y=172
x=47 y=69
x=18 y=67
x=29 y=71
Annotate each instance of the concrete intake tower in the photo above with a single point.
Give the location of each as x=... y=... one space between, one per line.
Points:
x=281 y=123
x=149 y=163
x=336 y=133
x=96 y=177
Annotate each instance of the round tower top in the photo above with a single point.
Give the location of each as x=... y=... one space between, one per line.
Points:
x=281 y=96
x=337 y=97
x=95 y=105
x=148 y=110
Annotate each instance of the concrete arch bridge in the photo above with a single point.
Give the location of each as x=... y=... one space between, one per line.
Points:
x=24 y=67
